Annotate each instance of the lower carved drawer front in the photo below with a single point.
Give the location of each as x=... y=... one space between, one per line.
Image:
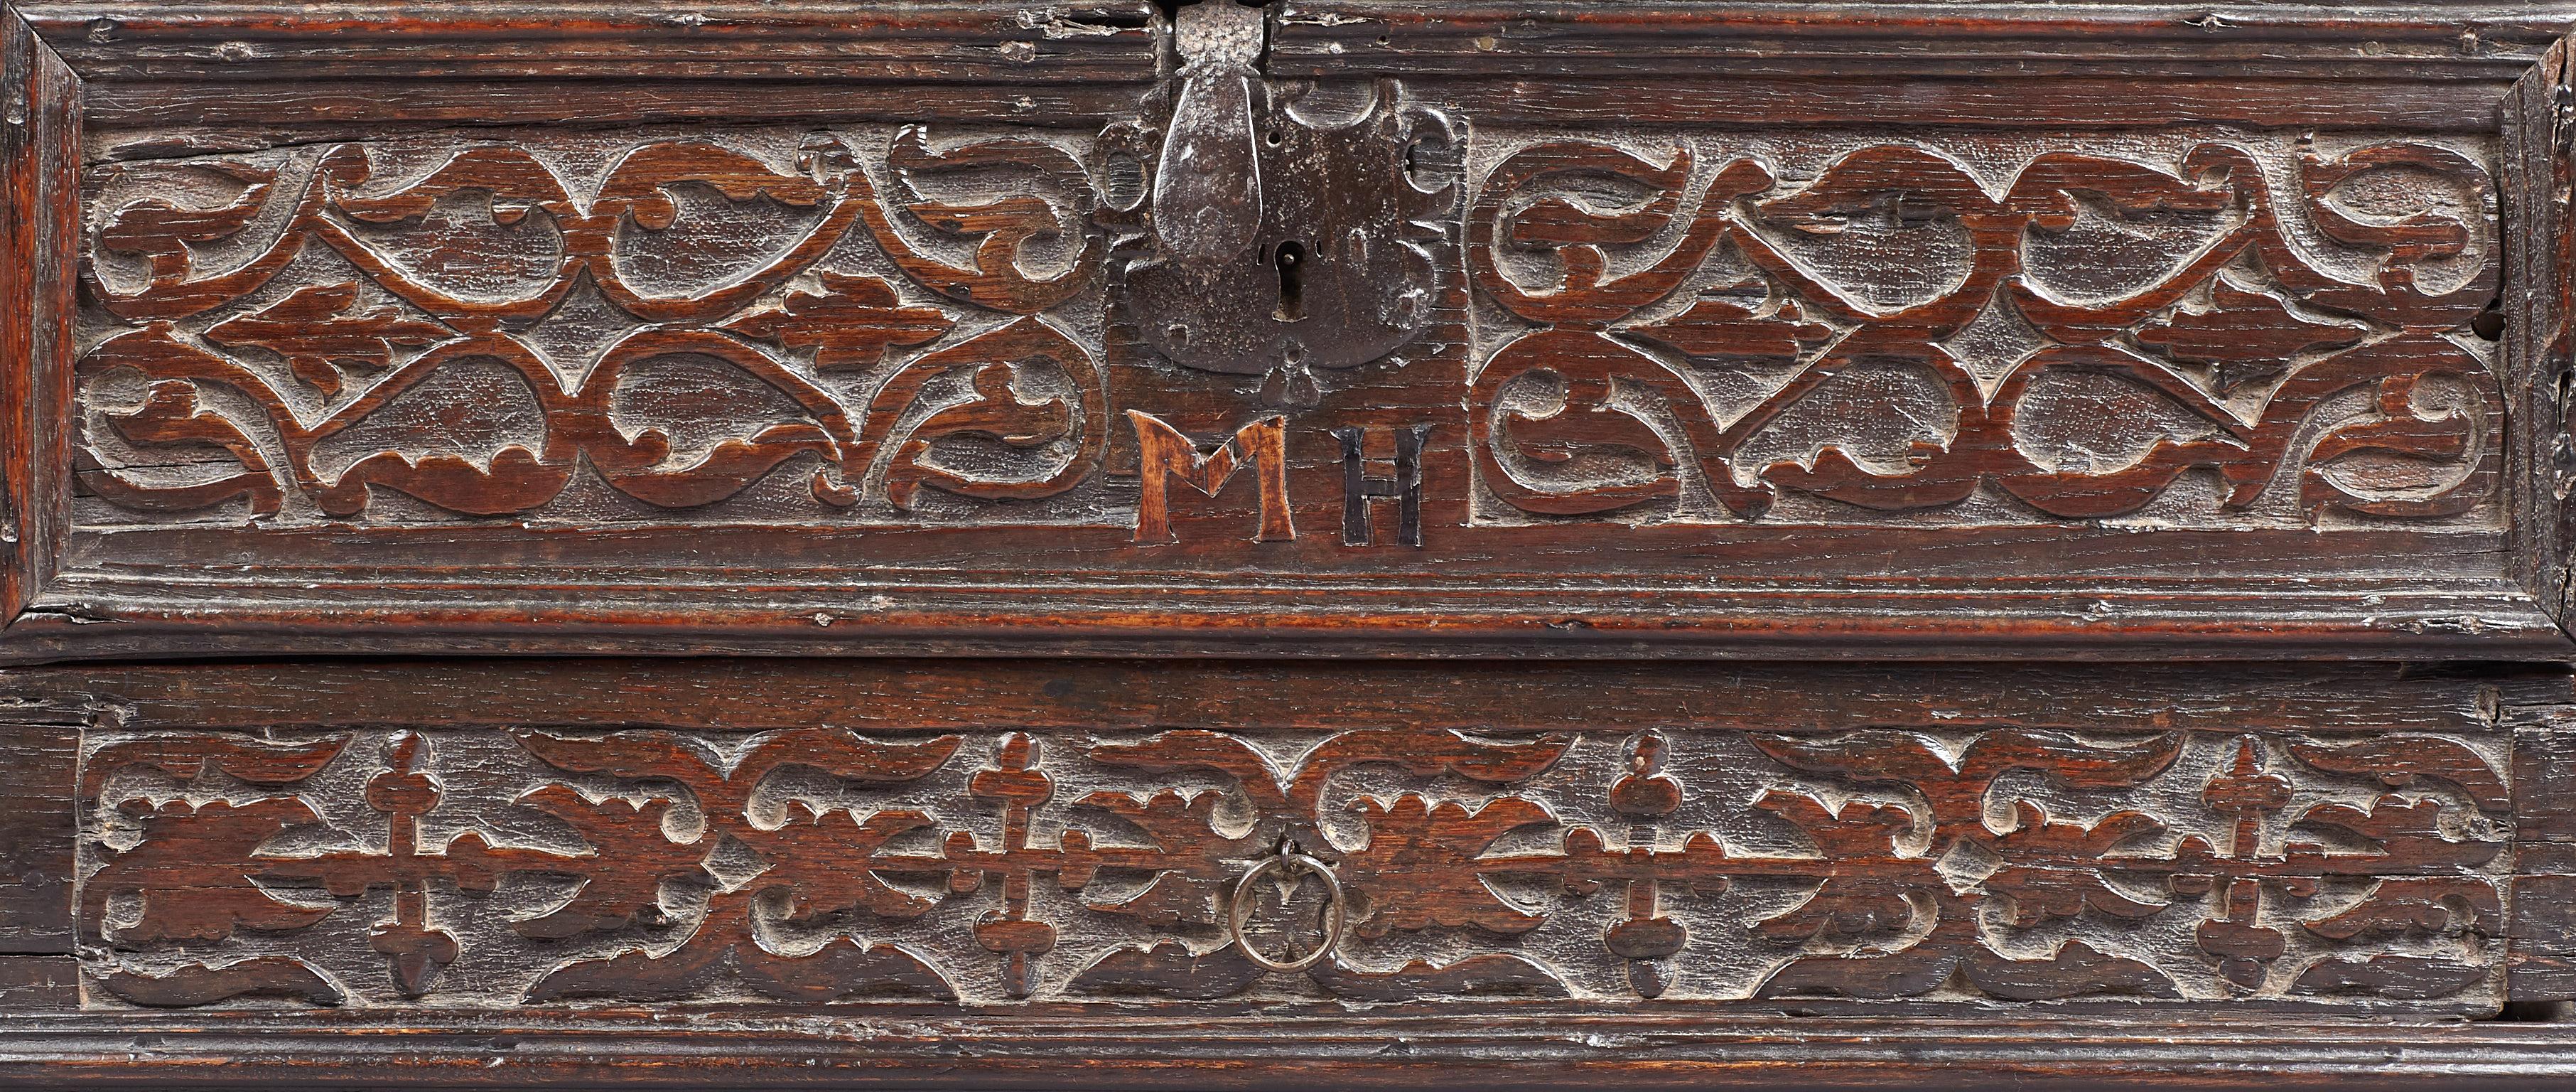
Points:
x=1024 y=836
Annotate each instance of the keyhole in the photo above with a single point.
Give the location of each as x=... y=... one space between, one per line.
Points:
x=2489 y=324
x=1291 y=259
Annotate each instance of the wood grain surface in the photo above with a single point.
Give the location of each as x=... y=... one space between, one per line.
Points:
x=1987 y=355
x=1643 y=543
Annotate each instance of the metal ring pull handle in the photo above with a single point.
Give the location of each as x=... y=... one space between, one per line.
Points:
x=1290 y=862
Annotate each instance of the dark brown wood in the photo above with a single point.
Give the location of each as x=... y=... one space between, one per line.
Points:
x=212 y=856
x=923 y=42
x=39 y=132
x=1291 y=1051
x=41 y=749
x=243 y=419
x=1394 y=542
x=2543 y=932
x=1058 y=837
x=39 y=983
x=221 y=116
x=1640 y=37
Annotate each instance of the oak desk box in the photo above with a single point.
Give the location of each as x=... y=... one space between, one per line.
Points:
x=1146 y=544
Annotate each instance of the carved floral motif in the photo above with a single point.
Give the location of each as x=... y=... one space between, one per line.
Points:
x=1688 y=333
x=2245 y=334
x=1885 y=864
x=683 y=286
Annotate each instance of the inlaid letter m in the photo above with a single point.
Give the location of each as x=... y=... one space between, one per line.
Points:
x=1164 y=453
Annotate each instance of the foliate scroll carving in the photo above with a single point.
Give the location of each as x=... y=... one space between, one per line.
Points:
x=2078 y=332
x=897 y=327
x=699 y=318
x=1893 y=864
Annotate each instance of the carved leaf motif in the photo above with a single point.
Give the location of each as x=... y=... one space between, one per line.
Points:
x=203 y=984
x=1418 y=869
x=829 y=867
x=2403 y=977
x=1473 y=976
x=1957 y=794
x=1194 y=864
x=2250 y=336
x=163 y=232
x=516 y=182
x=1418 y=751
x=1550 y=401
x=2046 y=191
x=186 y=756
x=1918 y=968
x=2054 y=869
x=1866 y=893
x=1716 y=329
x=1567 y=201
x=645 y=756
x=2408 y=834
x=998 y=412
x=1577 y=225
x=166 y=235
x=193 y=870
x=171 y=414
x=726 y=950
x=1196 y=749
x=641 y=184
x=622 y=876
x=1170 y=969
x=325 y=335
x=2398 y=905
x=1003 y=227
x=2437 y=229
x=2399 y=761
x=849 y=325
x=2075 y=969
x=634 y=756
x=1908 y=183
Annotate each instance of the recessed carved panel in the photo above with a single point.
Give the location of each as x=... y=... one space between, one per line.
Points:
x=1369 y=363
x=545 y=867
x=597 y=330
x=1994 y=329
x=2180 y=328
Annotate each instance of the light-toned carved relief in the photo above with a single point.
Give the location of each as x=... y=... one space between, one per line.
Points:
x=542 y=867
x=681 y=322
x=896 y=327
x=2051 y=333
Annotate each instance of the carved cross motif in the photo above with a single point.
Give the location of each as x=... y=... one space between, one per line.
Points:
x=815 y=865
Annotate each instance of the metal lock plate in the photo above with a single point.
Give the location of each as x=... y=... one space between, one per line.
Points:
x=1290 y=226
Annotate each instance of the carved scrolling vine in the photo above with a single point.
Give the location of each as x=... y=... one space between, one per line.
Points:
x=940 y=315
x=542 y=867
x=756 y=317
x=2245 y=334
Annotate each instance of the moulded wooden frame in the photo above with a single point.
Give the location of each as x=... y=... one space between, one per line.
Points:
x=248 y=74
x=48 y=1039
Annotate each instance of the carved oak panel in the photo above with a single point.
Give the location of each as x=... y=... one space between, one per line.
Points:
x=1342 y=353
x=1717 y=863
x=1123 y=543
x=770 y=869
x=461 y=331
